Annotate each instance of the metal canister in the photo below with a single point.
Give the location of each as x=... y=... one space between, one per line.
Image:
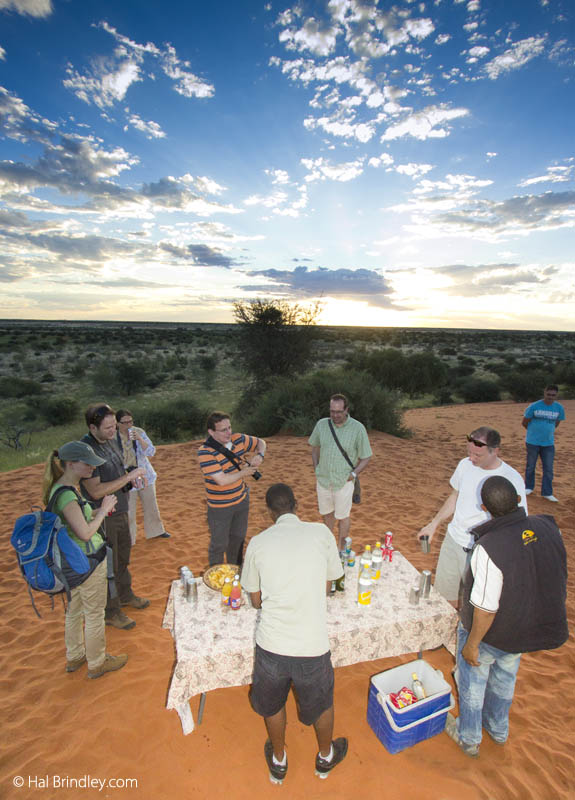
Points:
x=414 y=595
x=184 y=572
x=348 y=545
x=390 y=550
x=388 y=539
x=425 y=547
x=191 y=590
x=425 y=583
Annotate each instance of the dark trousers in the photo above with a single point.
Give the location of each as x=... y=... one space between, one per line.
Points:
x=118 y=535
x=228 y=528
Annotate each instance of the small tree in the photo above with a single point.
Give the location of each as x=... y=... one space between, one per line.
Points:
x=275 y=336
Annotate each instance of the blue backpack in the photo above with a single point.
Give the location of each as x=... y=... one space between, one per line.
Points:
x=50 y=560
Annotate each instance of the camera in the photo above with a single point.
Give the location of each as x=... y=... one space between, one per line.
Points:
x=257 y=475
x=128 y=486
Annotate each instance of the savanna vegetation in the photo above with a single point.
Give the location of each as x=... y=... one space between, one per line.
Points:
x=273 y=370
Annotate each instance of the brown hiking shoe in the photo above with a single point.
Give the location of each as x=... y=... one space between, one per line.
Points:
x=109 y=664
x=135 y=602
x=120 y=620
x=72 y=666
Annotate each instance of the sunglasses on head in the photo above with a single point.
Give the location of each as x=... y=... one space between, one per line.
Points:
x=476 y=442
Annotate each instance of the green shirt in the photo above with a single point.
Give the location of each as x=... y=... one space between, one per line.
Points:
x=332 y=471
x=68 y=497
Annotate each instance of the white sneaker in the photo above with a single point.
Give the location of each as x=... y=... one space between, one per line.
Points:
x=528 y=491
x=550 y=497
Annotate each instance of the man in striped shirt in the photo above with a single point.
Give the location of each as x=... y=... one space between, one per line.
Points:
x=227 y=458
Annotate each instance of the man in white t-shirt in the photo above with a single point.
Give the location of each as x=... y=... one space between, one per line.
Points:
x=463 y=506
x=288 y=570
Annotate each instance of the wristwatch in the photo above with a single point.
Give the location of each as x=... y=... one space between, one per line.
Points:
x=261 y=455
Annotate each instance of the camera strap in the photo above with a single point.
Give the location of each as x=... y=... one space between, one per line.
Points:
x=339 y=444
x=225 y=451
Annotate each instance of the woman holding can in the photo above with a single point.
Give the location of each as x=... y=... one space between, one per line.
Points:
x=137 y=449
x=84 y=631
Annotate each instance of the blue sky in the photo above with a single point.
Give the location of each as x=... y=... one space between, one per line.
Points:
x=409 y=164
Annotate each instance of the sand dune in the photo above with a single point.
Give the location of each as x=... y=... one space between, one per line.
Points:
x=55 y=724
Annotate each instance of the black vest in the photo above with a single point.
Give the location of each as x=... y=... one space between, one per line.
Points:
x=112 y=469
x=530 y=553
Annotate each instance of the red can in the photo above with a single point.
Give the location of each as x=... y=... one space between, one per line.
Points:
x=390 y=553
x=388 y=538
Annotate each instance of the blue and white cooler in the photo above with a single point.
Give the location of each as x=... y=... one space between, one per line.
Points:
x=398 y=728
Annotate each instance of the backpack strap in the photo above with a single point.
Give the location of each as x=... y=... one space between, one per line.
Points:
x=224 y=451
x=81 y=502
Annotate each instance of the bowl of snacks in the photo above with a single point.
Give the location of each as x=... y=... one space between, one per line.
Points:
x=215 y=576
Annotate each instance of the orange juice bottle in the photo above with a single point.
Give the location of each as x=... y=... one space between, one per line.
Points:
x=235 y=595
x=226 y=592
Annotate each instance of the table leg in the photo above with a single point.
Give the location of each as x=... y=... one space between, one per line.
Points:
x=201 y=708
x=186 y=718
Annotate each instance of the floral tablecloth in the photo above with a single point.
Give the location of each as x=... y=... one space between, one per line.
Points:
x=215 y=645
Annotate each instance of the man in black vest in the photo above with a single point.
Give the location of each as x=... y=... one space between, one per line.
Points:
x=513 y=602
x=112 y=478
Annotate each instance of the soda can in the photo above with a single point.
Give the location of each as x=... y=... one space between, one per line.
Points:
x=390 y=550
x=425 y=583
x=351 y=558
x=348 y=545
x=425 y=547
x=388 y=539
x=414 y=595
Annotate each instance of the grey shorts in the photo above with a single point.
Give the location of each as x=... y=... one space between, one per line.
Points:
x=274 y=675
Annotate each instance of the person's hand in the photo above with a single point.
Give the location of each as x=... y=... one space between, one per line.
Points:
x=428 y=530
x=248 y=471
x=109 y=503
x=471 y=654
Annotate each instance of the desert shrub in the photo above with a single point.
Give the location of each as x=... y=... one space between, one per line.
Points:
x=47 y=377
x=124 y=377
x=207 y=363
x=565 y=373
x=173 y=420
x=294 y=405
x=526 y=385
x=59 y=410
x=19 y=387
x=275 y=337
x=477 y=390
x=414 y=374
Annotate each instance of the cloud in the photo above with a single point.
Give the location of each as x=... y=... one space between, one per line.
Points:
x=320 y=169
x=467 y=280
x=495 y=220
x=432 y=122
x=2 y=54
x=555 y=174
x=106 y=82
x=200 y=255
x=358 y=284
x=516 y=56
x=311 y=36
x=151 y=129
x=32 y=8
x=414 y=171
x=108 y=78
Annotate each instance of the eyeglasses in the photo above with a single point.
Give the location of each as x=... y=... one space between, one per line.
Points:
x=476 y=442
x=126 y=422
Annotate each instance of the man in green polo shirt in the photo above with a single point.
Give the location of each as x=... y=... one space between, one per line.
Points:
x=335 y=477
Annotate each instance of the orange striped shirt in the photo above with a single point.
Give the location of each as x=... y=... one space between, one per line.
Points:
x=211 y=462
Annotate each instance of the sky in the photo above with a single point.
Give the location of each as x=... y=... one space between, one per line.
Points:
x=406 y=164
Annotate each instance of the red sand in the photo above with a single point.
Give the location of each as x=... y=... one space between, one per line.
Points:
x=55 y=724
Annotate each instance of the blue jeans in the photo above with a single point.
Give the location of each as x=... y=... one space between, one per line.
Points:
x=485 y=692
x=547 y=454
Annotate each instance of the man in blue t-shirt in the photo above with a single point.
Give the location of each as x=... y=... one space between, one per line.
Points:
x=541 y=419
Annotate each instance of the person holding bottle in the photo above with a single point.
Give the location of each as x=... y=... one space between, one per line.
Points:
x=288 y=570
x=137 y=449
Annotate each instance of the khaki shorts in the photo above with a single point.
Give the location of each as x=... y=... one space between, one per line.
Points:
x=451 y=567
x=339 y=501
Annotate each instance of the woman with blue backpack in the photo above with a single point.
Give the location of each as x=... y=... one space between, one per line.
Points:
x=85 y=635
